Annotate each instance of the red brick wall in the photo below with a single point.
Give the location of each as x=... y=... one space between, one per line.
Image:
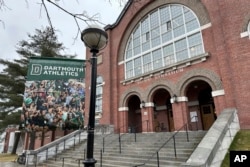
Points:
x=229 y=56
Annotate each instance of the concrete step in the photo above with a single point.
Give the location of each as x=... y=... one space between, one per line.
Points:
x=133 y=153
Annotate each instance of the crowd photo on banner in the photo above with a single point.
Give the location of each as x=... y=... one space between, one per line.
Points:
x=52 y=104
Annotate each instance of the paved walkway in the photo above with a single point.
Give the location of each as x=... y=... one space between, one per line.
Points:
x=15 y=164
x=10 y=164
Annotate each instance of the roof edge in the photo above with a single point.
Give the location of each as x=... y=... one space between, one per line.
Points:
x=110 y=26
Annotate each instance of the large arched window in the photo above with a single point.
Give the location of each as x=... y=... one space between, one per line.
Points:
x=164 y=37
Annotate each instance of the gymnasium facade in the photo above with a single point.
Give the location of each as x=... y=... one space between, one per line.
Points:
x=174 y=62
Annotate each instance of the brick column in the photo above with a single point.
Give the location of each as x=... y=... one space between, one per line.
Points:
x=219 y=101
x=179 y=108
x=122 y=126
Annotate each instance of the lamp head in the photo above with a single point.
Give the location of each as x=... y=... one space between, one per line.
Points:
x=94 y=37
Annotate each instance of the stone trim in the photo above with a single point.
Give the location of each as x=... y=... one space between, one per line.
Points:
x=179 y=99
x=123 y=109
x=199 y=74
x=218 y=93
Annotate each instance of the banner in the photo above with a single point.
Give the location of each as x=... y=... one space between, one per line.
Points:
x=55 y=68
x=54 y=94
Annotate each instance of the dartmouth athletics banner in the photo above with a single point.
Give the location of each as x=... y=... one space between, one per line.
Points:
x=55 y=68
x=54 y=94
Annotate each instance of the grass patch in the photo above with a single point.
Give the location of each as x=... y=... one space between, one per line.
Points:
x=8 y=157
x=241 y=142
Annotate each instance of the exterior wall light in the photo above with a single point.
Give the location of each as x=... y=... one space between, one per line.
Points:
x=143 y=104
x=175 y=100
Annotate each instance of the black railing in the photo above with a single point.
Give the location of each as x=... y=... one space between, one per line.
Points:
x=121 y=135
x=156 y=153
x=55 y=144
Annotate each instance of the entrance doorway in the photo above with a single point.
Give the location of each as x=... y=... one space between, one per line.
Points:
x=134 y=115
x=207 y=109
x=200 y=105
x=163 y=113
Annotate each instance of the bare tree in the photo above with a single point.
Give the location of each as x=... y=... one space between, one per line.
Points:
x=77 y=17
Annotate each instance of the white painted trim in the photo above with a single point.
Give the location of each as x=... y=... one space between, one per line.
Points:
x=123 y=109
x=218 y=93
x=206 y=26
x=244 y=34
x=149 y=104
x=179 y=99
x=121 y=62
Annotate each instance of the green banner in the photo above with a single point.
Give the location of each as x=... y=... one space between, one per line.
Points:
x=41 y=68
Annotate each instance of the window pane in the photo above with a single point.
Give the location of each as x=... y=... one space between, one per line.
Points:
x=98 y=105
x=189 y=16
x=192 y=25
x=194 y=39
x=155 y=37
x=167 y=36
x=154 y=20
x=196 y=50
x=129 y=69
x=137 y=50
x=155 y=32
x=136 y=41
x=147 y=63
x=137 y=65
x=178 y=21
x=99 y=80
x=145 y=46
x=129 y=49
x=157 y=59
x=137 y=32
x=145 y=26
x=164 y=15
x=156 y=41
x=168 y=55
x=181 y=50
x=179 y=31
x=182 y=55
x=98 y=91
x=176 y=10
x=181 y=45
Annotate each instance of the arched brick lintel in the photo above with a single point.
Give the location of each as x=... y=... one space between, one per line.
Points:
x=198 y=74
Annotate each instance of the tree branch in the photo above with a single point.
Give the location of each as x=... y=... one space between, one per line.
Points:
x=48 y=17
x=81 y=17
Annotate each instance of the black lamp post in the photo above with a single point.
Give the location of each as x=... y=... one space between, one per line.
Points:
x=96 y=39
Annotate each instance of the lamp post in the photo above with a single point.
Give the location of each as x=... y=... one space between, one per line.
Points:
x=95 y=38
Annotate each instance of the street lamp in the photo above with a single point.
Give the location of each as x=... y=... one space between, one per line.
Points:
x=96 y=39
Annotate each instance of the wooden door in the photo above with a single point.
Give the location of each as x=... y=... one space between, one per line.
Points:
x=207 y=114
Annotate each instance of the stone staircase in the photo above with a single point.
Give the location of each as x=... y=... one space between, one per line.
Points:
x=132 y=153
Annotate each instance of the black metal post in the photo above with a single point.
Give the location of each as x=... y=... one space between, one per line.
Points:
x=90 y=161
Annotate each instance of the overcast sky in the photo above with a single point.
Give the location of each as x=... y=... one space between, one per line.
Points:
x=24 y=16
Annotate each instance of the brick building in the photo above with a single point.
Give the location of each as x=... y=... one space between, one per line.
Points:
x=171 y=62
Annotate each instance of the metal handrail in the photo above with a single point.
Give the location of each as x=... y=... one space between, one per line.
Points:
x=169 y=139
x=119 y=135
x=52 y=144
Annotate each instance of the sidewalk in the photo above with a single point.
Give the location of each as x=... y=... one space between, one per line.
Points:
x=10 y=164
x=15 y=164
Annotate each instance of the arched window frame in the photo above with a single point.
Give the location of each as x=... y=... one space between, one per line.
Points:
x=147 y=52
